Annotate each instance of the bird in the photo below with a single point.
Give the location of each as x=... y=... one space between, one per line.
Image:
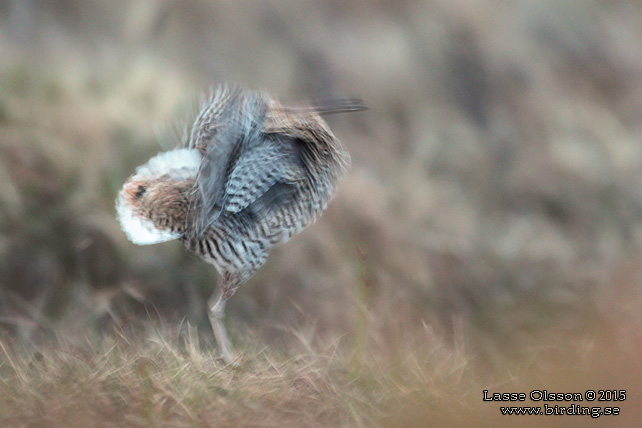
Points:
x=248 y=173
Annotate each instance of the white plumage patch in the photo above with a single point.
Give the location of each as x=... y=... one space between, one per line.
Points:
x=140 y=231
x=179 y=164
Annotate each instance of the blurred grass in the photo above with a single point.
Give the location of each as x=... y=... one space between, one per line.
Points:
x=154 y=375
x=495 y=190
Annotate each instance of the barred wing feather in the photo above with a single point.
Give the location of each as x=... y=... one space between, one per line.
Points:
x=257 y=171
x=222 y=138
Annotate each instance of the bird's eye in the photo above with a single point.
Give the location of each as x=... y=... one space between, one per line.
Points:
x=140 y=191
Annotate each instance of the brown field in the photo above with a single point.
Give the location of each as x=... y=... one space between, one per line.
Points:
x=488 y=236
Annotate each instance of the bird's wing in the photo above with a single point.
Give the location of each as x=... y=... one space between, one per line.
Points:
x=272 y=163
x=222 y=133
x=217 y=109
x=209 y=196
x=244 y=164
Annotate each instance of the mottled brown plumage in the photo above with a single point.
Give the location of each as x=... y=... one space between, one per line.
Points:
x=252 y=174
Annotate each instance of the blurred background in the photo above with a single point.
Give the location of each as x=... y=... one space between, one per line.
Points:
x=494 y=197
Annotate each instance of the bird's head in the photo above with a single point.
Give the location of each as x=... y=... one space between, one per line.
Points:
x=152 y=205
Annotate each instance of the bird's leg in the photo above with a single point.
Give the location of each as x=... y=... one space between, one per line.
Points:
x=217 y=313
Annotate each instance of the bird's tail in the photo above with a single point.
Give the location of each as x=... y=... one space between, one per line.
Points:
x=329 y=106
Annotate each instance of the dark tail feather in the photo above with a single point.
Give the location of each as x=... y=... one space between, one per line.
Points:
x=330 y=106
x=347 y=105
